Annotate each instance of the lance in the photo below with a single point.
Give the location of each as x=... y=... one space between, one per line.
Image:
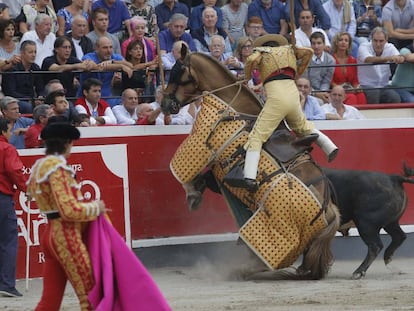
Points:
x=28 y=222
x=292 y=23
x=160 y=67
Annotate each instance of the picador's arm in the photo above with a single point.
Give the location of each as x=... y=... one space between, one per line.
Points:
x=304 y=57
x=251 y=64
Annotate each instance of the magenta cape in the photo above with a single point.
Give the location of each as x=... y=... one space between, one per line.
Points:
x=122 y=282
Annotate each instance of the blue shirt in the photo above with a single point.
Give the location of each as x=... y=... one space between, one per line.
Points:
x=118 y=13
x=313 y=110
x=167 y=40
x=270 y=17
x=18 y=141
x=164 y=13
x=104 y=77
x=196 y=20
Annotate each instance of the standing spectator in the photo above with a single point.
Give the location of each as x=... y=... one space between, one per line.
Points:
x=374 y=79
x=126 y=112
x=65 y=16
x=10 y=110
x=147 y=115
x=202 y=36
x=272 y=13
x=234 y=19
x=346 y=76
x=81 y=43
x=118 y=16
x=337 y=106
x=398 y=19
x=303 y=33
x=11 y=177
x=254 y=28
x=26 y=21
x=196 y=19
x=368 y=16
x=320 y=72
x=93 y=105
x=41 y=114
x=100 y=19
x=42 y=36
x=147 y=12
x=138 y=33
x=403 y=76
x=25 y=86
x=175 y=32
x=166 y=10
x=322 y=19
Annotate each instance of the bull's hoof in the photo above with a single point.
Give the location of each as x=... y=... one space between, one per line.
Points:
x=358 y=275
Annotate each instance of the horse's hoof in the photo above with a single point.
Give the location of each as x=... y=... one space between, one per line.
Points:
x=194 y=201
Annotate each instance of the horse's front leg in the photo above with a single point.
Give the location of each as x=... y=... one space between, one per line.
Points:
x=194 y=195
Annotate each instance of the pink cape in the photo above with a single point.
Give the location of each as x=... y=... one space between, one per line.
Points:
x=122 y=282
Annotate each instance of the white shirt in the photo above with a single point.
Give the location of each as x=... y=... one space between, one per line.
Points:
x=337 y=18
x=351 y=113
x=185 y=118
x=43 y=49
x=78 y=48
x=302 y=39
x=108 y=114
x=123 y=117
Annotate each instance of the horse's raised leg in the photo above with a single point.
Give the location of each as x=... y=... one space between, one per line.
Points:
x=194 y=195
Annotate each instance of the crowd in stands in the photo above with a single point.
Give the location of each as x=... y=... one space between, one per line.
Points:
x=103 y=62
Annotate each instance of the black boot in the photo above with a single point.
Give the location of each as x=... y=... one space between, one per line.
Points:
x=235 y=178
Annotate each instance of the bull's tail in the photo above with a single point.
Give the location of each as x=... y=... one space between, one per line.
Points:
x=407 y=173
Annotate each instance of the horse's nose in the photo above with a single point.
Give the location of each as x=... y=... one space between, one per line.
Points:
x=169 y=105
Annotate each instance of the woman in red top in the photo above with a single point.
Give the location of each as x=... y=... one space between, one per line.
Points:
x=346 y=75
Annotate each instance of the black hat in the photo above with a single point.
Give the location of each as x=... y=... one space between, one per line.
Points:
x=59 y=127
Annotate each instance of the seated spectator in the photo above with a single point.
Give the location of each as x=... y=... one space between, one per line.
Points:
x=169 y=59
x=14 y=7
x=146 y=114
x=374 y=79
x=118 y=16
x=142 y=9
x=4 y=11
x=337 y=106
x=42 y=36
x=196 y=19
x=25 y=86
x=272 y=13
x=403 y=76
x=108 y=63
x=234 y=20
x=9 y=49
x=81 y=43
x=41 y=114
x=10 y=110
x=303 y=33
x=254 y=28
x=100 y=18
x=346 y=76
x=319 y=71
x=126 y=112
x=368 y=16
x=188 y=113
x=216 y=47
x=66 y=14
x=175 y=32
x=61 y=61
x=322 y=19
x=166 y=10
x=26 y=21
x=138 y=32
x=161 y=119
x=93 y=105
x=202 y=36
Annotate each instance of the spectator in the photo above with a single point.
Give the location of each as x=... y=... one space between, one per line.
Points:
x=15 y=7
x=188 y=113
x=398 y=19
x=93 y=105
x=368 y=16
x=403 y=76
x=12 y=178
x=166 y=10
x=374 y=79
x=4 y=11
x=126 y=112
x=175 y=32
x=234 y=20
x=272 y=13
x=161 y=119
x=346 y=76
x=169 y=59
x=41 y=114
x=146 y=114
x=59 y=4
x=118 y=16
x=10 y=110
x=81 y=43
x=138 y=33
x=254 y=28
x=337 y=106
x=61 y=61
x=196 y=20
x=147 y=12
x=303 y=33
x=25 y=86
x=108 y=63
x=202 y=36
x=100 y=18
x=320 y=72
x=216 y=47
x=322 y=19
x=26 y=21
x=310 y=104
x=66 y=14
x=9 y=49
x=42 y=36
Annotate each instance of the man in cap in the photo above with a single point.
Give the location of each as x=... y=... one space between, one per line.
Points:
x=277 y=63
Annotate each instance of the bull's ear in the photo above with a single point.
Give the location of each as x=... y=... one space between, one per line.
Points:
x=184 y=51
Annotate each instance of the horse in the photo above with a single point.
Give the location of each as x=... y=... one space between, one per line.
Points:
x=292 y=212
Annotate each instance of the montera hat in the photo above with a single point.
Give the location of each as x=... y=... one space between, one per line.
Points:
x=279 y=39
x=58 y=127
